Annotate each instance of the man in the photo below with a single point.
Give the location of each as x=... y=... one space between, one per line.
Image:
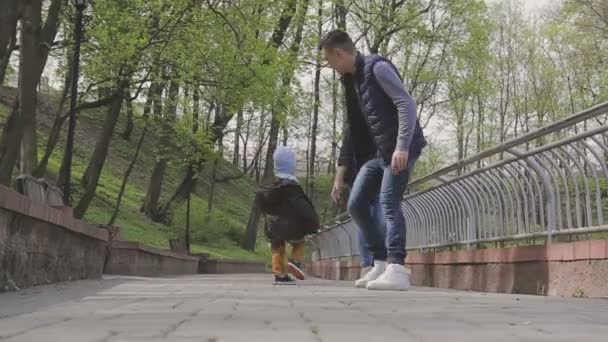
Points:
x=382 y=140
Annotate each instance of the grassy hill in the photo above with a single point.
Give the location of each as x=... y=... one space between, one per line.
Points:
x=216 y=232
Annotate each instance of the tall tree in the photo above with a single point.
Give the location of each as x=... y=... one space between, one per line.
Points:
x=60 y=117
x=142 y=137
x=316 y=105
x=129 y=125
x=276 y=110
x=91 y=176
x=19 y=133
x=246 y=142
x=9 y=16
x=151 y=202
x=237 y=138
x=43 y=38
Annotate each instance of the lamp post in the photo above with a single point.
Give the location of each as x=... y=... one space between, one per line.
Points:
x=67 y=158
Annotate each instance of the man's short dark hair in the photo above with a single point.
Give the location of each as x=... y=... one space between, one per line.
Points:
x=337 y=39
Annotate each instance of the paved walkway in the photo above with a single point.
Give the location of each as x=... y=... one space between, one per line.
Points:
x=248 y=308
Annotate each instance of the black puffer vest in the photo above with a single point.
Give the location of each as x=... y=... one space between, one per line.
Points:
x=381 y=115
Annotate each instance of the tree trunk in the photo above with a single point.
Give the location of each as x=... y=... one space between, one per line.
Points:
x=245 y=144
x=460 y=139
x=125 y=179
x=29 y=147
x=331 y=169
x=39 y=40
x=308 y=139
x=5 y=61
x=157 y=99
x=146 y=116
x=272 y=146
x=8 y=34
x=285 y=134
x=24 y=109
x=31 y=25
x=341 y=12
x=9 y=152
x=126 y=134
x=9 y=16
x=187 y=185
x=154 y=189
x=256 y=169
x=60 y=118
x=187 y=235
x=151 y=208
x=212 y=181
x=208 y=117
x=480 y=126
x=196 y=102
x=237 y=138
x=606 y=152
x=315 y=115
x=248 y=242
x=280 y=29
x=90 y=179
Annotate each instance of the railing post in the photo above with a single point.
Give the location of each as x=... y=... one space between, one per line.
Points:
x=467 y=208
x=550 y=204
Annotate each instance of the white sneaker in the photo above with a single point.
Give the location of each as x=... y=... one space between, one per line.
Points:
x=373 y=274
x=395 y=278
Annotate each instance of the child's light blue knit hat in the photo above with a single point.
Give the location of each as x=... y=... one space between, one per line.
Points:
x=284 y=161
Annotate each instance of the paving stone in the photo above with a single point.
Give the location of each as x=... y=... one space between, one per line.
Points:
x=249 y=308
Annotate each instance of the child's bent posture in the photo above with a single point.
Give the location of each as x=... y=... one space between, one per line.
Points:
x=290 y=216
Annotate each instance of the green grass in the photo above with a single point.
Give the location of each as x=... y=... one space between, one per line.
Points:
x=216 y=232
x=233 y=252
x=322 y=198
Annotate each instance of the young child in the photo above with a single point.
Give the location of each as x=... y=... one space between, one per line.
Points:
x=290 y=216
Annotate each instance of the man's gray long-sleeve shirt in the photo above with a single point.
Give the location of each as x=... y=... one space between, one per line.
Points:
x=389 y=81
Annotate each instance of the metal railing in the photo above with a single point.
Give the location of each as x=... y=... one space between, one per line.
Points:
x=548 y=182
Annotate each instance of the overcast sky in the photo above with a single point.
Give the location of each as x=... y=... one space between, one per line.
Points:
x=532 y=4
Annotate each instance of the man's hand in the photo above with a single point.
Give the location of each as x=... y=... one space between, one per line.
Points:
x=336 y=191
x=399 y=162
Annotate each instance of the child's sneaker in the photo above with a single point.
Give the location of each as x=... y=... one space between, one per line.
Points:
x=283 y=280
x=295 y=269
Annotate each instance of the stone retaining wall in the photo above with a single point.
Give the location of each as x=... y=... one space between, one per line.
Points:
x=41 y=245
x=578 y=269
x=215 y=266
x=133 y=258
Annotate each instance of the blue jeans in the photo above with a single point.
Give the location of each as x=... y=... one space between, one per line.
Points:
x=365 y=255
x=373 y=180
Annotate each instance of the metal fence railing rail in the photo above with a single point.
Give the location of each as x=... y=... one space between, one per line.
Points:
x=547 y=182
